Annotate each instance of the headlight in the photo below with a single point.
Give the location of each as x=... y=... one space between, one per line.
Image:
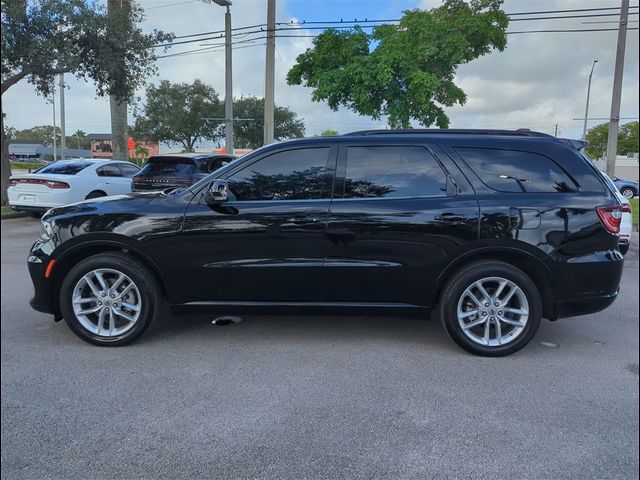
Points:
x=46 y=231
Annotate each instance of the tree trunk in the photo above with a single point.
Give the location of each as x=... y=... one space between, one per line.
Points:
x=6 y=166
x=119 y=133
x=118 y=104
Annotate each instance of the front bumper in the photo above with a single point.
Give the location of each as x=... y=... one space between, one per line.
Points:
x=44 y=288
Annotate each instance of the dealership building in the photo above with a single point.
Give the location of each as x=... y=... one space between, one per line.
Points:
x=35 y=151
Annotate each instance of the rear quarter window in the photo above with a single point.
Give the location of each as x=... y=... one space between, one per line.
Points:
x=517 y=171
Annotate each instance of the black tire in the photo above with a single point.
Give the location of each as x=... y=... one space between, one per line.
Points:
x=466 y=276
x=37 y=215
x=150 y=296
x=95 y=194
x=628 y=192
x=624 y=248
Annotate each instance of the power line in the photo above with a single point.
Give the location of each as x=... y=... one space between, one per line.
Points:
x=169 y=5
x=341 y=25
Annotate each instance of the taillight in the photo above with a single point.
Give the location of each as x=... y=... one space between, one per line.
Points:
x=626 y=208
x=39 y=181
x=611 y=217
x=54 y=184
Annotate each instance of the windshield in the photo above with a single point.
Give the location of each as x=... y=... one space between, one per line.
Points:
x=169 y=167
x=64 y=168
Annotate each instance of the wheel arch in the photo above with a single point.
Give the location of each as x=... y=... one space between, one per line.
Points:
x=531 y=265
x=70 y=257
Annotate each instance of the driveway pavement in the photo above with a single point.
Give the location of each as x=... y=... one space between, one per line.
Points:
x=314 y=397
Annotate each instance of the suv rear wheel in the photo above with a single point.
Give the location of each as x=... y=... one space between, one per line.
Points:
x=491 y=308
x=110 y=299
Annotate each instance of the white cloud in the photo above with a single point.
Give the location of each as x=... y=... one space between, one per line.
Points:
x=538 y=81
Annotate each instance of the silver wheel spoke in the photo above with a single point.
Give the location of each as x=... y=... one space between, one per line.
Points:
x=485 y=295
x=499 y=290
x=487 y=332
x=511 y=322
x=82 y=300
x=124 y=315
x=101 y=281
x=92 y=286
x=130 y=306
x=470 y=294
x=474 y=323
x=467 y=314
x=127 y=289
x=517 y=311
x=498 y=332
x=510 y=295
x=101 y=320
x=118 y=282
x=112 y=322
x=89 y=310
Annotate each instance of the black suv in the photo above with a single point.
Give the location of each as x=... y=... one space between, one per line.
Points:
x=494 y=229
x=177 y=170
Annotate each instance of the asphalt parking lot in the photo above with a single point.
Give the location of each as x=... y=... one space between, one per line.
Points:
x=314 y=397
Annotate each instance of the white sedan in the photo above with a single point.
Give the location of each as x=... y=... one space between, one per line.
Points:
x=69 y=181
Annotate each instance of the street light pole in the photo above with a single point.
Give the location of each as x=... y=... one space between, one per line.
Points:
x=63 y=140
x=586 y=112
x=228 y=79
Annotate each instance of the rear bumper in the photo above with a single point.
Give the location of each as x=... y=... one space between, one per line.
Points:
x=30 y=208
x=584 y=287
x=583 y=305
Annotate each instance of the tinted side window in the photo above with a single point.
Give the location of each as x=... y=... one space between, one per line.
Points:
x=290 y=175
x=109 y=171
x=393 y=172
x=128 y=169
x=515 y=171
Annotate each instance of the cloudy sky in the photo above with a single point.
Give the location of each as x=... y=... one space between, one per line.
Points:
x=539 y=80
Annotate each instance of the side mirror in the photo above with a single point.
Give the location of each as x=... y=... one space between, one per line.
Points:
x=217 y=193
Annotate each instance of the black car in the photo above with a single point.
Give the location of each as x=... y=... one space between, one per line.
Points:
x=177 y=170
x=494 y=229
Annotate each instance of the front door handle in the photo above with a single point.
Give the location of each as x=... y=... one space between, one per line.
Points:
x=450 y=217
x=302 y=220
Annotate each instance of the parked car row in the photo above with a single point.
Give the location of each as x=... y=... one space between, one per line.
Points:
x=74 y=180
x=494 y=230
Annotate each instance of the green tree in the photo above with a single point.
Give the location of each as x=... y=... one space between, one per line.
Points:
x=39 y=133
x=79 y=140
x=329 y=133
x=250 y=133
x=403 y=71
x=598 y=137
x=179 y=113
x=44 y=38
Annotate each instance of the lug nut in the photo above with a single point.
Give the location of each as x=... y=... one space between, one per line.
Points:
x=486 y=304
x=104 y=294
x=497 y=303
x=493 y=318
x=500 y=312
x=484 y=314
x=99 y=303
x=113 y=296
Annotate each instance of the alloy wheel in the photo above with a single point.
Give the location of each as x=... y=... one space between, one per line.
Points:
x=106 y=302
x=493 y=311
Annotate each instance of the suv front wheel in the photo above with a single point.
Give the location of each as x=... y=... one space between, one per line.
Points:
x=491 y=308
x=110 y=299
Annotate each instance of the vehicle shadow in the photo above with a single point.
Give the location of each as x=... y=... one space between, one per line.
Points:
x=321 y=329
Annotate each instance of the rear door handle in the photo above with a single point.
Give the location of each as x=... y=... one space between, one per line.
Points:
x=450 y=217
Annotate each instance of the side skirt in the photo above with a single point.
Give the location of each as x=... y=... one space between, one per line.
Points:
x=307 y=308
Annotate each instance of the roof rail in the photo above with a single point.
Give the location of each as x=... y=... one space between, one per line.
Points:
x=521 y=132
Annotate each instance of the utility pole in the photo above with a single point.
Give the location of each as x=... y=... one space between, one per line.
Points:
x=63 y=140
x=614 y=118
x=228 y=83
x=269 y=82
x=586 y=112
x=117 y=10
x=556 y=132
x=53 y=102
